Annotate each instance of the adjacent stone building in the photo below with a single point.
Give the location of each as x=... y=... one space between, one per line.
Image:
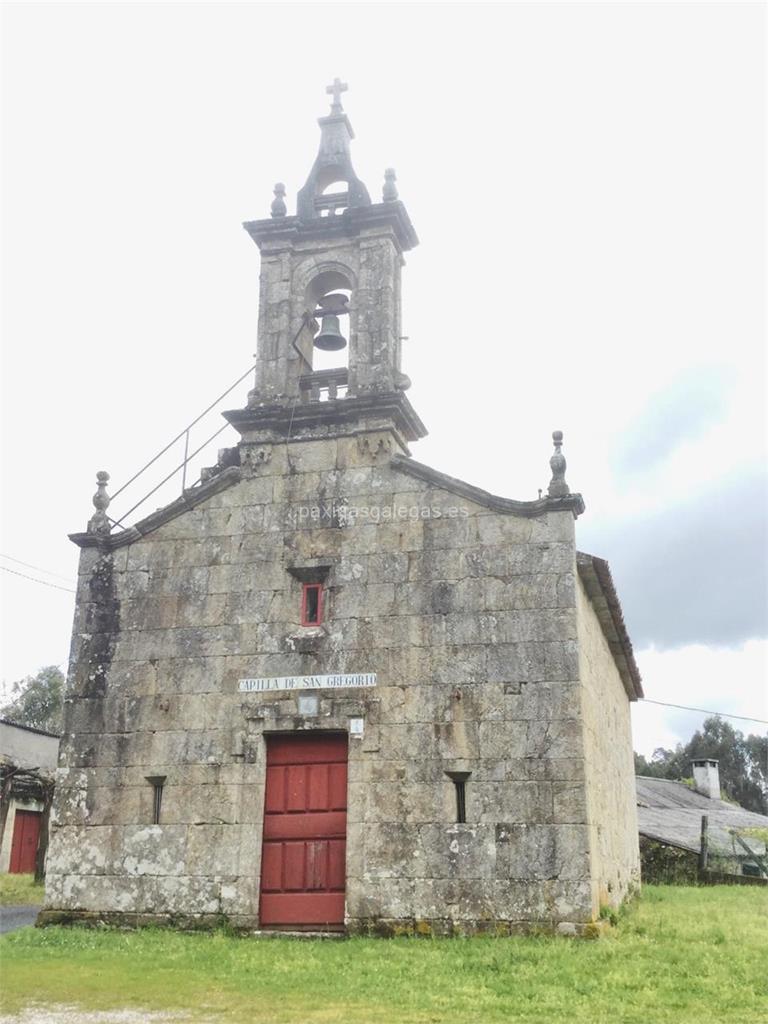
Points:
x=676 y=845
x=28 y=758
x=329 y=687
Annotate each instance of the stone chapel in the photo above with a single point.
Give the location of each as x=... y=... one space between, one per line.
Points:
x=330 y=688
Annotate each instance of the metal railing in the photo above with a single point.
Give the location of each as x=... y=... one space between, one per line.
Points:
x=188 y=457
x=318 y=386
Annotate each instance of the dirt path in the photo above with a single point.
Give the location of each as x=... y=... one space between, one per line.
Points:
x=17 y=916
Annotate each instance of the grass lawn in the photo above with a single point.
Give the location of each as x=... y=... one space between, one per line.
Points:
x=16 y=889
x=680 y=955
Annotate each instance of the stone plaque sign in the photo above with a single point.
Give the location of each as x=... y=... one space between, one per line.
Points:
x=307 y=682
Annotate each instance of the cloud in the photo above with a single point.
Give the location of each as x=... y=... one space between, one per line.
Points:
x=681 y=412
x=694 y=573
x=728 y=680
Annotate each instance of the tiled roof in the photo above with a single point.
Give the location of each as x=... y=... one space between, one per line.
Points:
x=596 y=576
x=671 y=813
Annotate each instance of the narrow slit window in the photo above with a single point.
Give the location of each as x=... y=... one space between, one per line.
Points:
x=156 y=782
x=459 y=780
x=461 y=799
x=312 y=604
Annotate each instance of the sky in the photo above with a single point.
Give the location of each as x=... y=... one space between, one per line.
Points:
x=587 y=183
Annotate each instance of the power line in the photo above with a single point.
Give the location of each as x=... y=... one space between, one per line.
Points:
x=45 y=583
x=645 y=700
x=37 y=568
x=704 y=711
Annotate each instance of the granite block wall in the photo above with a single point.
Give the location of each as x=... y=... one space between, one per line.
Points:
x=473 y=622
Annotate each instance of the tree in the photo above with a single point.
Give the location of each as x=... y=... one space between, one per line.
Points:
x=743 y=762
x=38 y=700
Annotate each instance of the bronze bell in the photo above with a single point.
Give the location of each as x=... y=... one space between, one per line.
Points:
x=330 y=338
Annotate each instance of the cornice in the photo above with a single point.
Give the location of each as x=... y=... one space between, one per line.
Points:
x=349 y=224
x=332 y=418
x=573 y=503
x=191 y=497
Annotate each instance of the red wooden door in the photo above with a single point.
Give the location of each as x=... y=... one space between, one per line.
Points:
x=26 y=832
x=305 y=828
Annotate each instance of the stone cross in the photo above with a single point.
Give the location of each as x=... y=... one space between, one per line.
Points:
x=335 y=90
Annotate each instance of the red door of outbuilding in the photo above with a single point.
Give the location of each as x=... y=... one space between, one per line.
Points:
x=26 y=833
x=305 y=831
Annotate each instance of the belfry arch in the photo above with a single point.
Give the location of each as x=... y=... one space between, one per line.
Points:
x=330 y=298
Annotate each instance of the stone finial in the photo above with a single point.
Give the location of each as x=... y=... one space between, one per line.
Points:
x=278 y=208
x=389 y=192
x=335 y=89
x=99 y=521
x=558 y=488
x=333 y=164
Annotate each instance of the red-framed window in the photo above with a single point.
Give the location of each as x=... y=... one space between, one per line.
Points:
x=311 y=604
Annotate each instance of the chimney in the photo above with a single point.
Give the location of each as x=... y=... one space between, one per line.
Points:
x=706 y=777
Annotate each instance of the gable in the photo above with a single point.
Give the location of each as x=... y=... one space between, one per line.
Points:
x=190 y=499
x=334 y=486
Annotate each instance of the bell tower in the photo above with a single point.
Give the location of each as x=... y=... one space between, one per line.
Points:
x=330 y=282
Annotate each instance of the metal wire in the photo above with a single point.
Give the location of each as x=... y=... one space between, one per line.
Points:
x=37 y=568
x=45 y=583
x=180 y=435
x=704 y=711
x=172 y=473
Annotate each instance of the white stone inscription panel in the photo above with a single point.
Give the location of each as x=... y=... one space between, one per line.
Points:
x=307 y=682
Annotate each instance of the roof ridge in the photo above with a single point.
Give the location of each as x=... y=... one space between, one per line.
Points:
x=538 y=506
x=30 y=728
